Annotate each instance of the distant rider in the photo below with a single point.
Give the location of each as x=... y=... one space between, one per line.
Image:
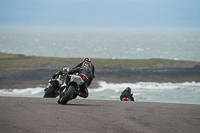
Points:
x=127 y=94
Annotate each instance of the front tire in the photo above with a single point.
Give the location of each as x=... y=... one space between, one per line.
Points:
x=49 y=93
x=67 y=95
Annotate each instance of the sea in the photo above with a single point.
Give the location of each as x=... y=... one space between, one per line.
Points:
x=109 y=43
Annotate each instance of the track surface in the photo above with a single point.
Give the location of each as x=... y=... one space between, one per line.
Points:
x=39 y=115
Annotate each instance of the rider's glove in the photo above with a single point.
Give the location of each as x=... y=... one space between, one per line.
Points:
x=50 y=81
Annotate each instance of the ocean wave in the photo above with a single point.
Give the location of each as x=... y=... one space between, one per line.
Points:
x=142 y=85
x=187 y=92
x=28 y=92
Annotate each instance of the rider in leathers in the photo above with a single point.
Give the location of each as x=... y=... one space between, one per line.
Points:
x=85 y=72
x=59 y=76
x=86 y=59
x=127 y=93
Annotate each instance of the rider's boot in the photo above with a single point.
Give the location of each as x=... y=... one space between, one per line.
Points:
x=63 y=87
x=83 y=95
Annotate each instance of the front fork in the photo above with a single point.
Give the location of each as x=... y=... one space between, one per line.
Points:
x=77 y=91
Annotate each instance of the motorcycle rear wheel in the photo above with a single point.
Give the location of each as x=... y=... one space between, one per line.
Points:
x=67 y=95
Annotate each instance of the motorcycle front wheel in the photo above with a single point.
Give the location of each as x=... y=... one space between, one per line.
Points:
x=50 y=93
x=67 y=95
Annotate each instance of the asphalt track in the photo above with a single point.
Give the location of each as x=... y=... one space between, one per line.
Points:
x=39 y=115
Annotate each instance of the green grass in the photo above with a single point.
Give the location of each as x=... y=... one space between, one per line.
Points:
x=19 y=61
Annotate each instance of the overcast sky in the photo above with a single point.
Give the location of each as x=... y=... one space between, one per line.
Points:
x=101 y=13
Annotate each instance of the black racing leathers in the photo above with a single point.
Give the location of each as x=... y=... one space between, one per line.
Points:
x=126 y=94
x=91 y=66
x=86 y=74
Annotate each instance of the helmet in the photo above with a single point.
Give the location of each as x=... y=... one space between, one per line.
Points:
x=86 y=59
x=128 y=89
x=66 y=69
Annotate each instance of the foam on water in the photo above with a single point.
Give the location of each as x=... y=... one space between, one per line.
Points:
x=187 y=92
x=29 y=92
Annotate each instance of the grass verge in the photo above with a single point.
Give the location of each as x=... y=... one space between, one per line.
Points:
x=19 y=61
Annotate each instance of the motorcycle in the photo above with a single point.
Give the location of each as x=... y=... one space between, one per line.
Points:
x=52 y=89
x=72 y=90
x=127 y=99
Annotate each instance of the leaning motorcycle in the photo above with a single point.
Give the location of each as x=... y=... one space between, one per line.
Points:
x=52 y=89
x=72 y=90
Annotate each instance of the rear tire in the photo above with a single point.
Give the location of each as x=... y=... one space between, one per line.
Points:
x=68 y=95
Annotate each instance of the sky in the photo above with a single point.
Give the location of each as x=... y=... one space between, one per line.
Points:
x=101 y=13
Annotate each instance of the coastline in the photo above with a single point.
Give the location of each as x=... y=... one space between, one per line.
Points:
x=18 y=71
x=31 y=78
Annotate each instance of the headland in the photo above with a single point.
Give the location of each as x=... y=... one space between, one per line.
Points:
x=20 y=71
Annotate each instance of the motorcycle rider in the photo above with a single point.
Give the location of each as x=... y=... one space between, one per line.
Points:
x=127 y=94
x=86 y=59
x=60 y=73
x=85 y=70
x=59 y=76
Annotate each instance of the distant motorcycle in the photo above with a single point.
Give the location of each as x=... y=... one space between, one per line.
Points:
x=52 y=89
x=126 y=99
x=126 y=95
x=72 y=90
